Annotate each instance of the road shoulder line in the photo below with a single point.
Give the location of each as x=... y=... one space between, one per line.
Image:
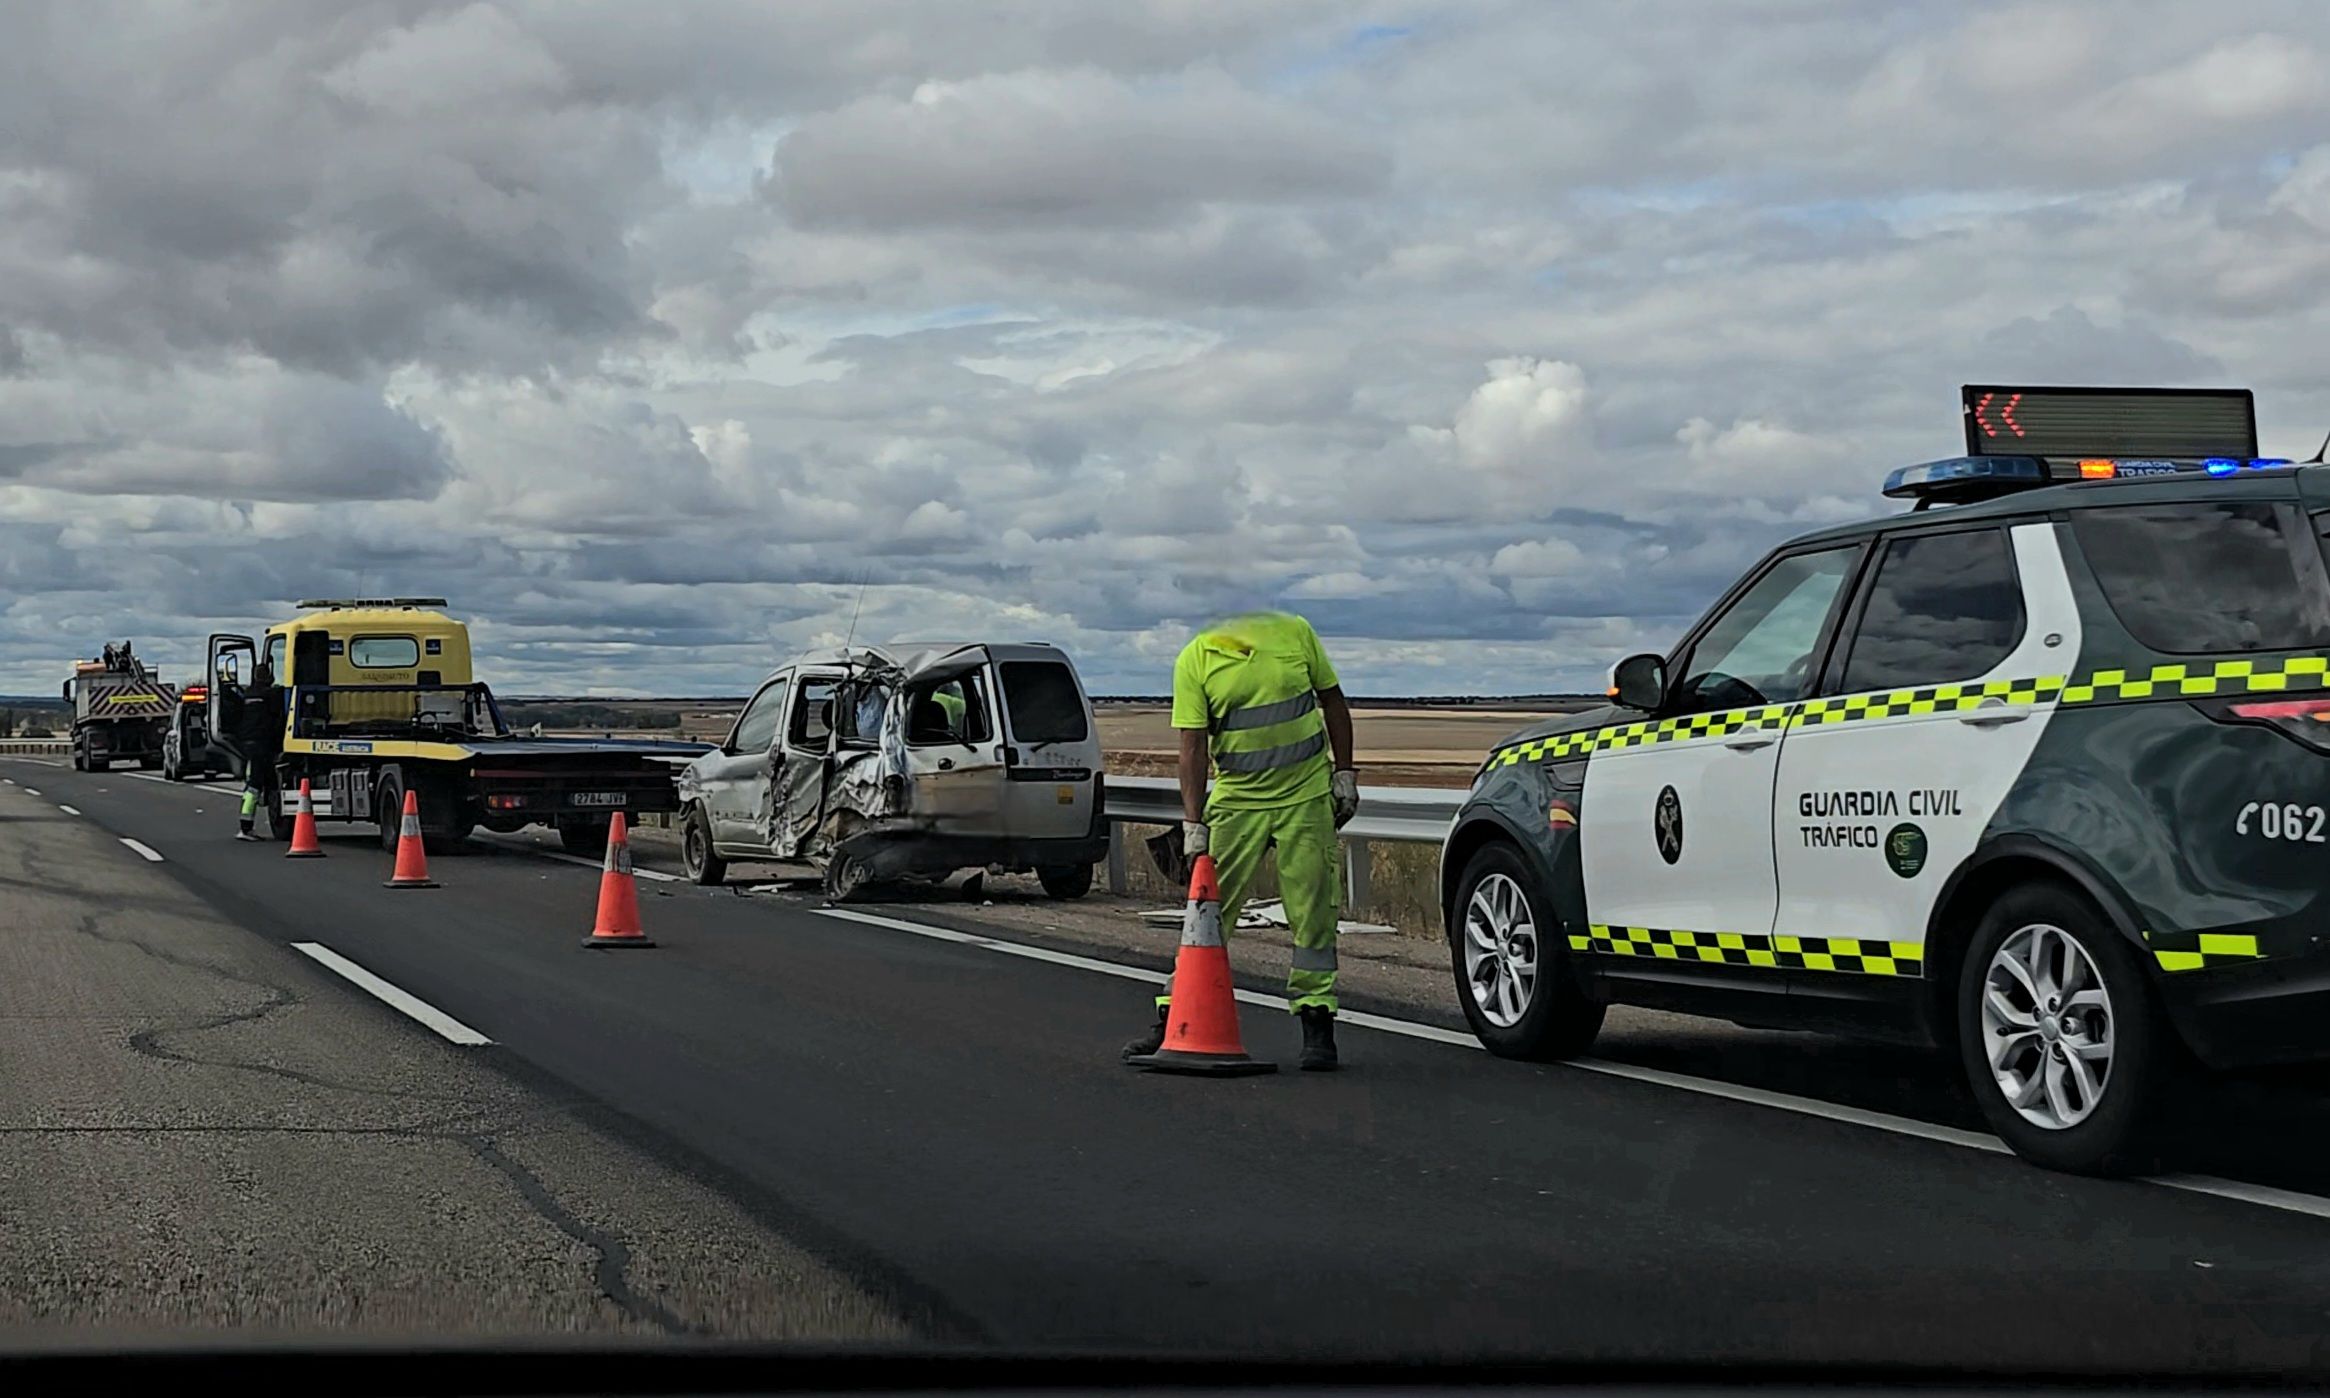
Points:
x=143 y=850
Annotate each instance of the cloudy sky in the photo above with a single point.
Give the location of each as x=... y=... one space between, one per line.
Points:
x=1496 y=337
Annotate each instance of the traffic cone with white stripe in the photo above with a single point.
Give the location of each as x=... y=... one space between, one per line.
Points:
x=304 y=844
x=618 y=922
x=1201 y=1030
x=412 y=856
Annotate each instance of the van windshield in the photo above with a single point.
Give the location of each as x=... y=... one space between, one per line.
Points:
x=1045 y=704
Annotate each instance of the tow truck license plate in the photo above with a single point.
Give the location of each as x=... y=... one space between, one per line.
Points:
x=595 y=798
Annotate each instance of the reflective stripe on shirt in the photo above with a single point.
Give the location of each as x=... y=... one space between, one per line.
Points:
x=1263 y=715
x=1270 y=759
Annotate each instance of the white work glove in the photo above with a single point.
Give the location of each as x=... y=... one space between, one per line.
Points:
x=1345 y=790
x=1194 y=838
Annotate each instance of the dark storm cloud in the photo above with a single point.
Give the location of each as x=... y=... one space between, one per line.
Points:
x=1497 y=335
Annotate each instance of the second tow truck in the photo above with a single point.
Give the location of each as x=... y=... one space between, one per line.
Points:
x=377 y=698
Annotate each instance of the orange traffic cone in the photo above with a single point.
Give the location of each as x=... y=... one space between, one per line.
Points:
x=304 y=844
x=412 y=857
x=618 y=924
x=1201 y=1031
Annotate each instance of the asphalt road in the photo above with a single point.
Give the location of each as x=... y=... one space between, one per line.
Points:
x=947 y=1126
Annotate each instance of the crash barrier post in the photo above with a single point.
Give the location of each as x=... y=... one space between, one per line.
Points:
x=1402 y=815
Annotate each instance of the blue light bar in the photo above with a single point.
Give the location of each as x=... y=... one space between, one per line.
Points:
x=1978 y=472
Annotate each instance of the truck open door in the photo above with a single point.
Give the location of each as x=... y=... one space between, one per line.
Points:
x=233 y=660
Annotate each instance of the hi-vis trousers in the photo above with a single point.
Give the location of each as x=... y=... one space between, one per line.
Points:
x=1310 y=880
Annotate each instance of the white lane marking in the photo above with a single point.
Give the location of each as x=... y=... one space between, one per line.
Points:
x=2289 y=1201
x=521 y=847
x=31 y=791
x=1057 y=958
x=2272 y=1198
x=1808 y=1106
x=68 y=810
x=144 y=851
x=407 y=1004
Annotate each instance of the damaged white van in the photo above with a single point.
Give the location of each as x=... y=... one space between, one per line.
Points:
x=907 y=762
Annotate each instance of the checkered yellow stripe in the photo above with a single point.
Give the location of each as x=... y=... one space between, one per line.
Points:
x=1936 y=699
x=1640 y=735
x=2195 y=679
x=2199 y=951
x=1862 y=956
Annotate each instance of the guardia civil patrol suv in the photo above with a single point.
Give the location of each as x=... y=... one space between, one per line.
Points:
x=2038 y=770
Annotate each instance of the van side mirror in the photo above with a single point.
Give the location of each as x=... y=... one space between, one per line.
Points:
x=1640 y=682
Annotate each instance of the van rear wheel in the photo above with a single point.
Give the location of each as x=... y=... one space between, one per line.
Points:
x=1065 y=880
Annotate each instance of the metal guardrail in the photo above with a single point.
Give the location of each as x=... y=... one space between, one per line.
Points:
x=36 y=745
x=1403 y=815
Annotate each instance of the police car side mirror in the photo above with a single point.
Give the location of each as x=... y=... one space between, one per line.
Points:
x=1640 y=682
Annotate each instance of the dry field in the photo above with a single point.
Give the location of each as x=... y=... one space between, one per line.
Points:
x=1395 y=747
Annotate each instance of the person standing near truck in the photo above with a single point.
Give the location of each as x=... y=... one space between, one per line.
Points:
x=259 y=735
x=1256 y=699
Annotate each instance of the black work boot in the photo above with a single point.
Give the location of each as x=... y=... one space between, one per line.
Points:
x=1149 y=1042
x=1318 y=1055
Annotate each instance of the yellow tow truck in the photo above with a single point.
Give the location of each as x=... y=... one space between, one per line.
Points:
x=377 y=699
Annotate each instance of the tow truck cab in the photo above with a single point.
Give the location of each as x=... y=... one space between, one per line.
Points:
x=379 y=699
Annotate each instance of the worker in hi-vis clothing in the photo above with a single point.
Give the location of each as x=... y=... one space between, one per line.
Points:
x=1257 y=697
x=258 y=731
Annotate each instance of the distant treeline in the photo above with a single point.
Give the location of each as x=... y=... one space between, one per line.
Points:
x=521 y=715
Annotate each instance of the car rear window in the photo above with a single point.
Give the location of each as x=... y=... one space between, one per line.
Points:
x=1045 y=705
x=2218 y=576
x=384 y=652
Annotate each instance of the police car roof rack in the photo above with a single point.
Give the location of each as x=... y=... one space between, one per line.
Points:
x=347 y=603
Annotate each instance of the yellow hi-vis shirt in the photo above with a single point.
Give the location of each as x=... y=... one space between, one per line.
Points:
x=1253 y=682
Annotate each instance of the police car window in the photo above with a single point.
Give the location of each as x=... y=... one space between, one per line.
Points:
x=1761 y=650
x=759 y=725
x=2209 y=577
x=1942 y=607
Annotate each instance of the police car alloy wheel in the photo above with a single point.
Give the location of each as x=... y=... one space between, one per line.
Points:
x=1512 y=977
x=2047 y=1026
x=2064 y=1042
x=1500 y=950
